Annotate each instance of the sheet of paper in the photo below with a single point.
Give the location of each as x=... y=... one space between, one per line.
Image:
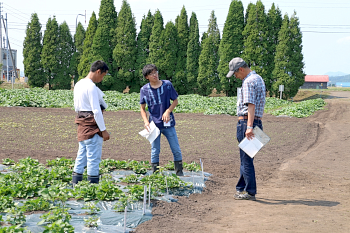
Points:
x=152 y=134
x=251 y=147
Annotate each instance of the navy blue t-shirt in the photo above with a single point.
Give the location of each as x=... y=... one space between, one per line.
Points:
x=158 y=101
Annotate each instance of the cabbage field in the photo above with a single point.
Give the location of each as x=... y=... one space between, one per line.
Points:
x=28 y=186
x=38 y=97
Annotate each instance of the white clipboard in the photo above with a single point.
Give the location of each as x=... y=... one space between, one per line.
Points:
x=251 y=147
x=152 y=134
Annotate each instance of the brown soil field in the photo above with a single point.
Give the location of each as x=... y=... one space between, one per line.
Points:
x=303 y=173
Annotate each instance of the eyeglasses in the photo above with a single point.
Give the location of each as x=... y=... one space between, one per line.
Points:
x=153 y=73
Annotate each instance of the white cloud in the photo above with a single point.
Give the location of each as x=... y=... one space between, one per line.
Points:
x=344 y=40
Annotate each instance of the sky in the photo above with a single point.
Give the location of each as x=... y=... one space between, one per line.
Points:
x=325 y=24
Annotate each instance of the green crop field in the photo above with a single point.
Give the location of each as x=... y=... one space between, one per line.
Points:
x=38 y=97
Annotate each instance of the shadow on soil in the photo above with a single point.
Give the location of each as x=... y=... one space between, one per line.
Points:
x=308 y=202
x=311 y=97
x=336 y=97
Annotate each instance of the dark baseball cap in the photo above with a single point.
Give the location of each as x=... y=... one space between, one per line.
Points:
x=234 y=64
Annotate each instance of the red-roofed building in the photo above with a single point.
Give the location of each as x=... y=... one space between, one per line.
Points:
x=315 y=82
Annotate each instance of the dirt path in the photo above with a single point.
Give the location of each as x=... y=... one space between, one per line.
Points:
x=311 y=192
x=308 y=192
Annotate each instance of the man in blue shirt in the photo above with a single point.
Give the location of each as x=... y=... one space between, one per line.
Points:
x=157 y=95
x=250 y=109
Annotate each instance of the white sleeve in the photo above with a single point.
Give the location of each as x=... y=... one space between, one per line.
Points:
x=101 y=100
x=95 y=106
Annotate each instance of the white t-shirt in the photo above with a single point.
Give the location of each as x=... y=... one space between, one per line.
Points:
x=88 y=97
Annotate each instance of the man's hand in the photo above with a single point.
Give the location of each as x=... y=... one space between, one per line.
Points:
x=105 y=135
x=249 y=134
x=166 y=116
x=144 y=116
x=147 y=127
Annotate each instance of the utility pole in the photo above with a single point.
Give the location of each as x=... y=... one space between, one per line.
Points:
x=9 y=50
x=7 y=45
x=76 y=21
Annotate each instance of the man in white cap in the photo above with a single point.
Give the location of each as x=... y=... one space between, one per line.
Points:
x=250 y=109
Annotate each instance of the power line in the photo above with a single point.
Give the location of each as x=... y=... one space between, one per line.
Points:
x=22 y=18
x=328 y=25
x=327 y=32
x=16 y=9
x=17 y=45
x=15 y=39
x=21 y=29
x=18 y=18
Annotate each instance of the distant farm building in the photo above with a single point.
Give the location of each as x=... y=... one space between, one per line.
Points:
x=315 y=82
x=342 y=84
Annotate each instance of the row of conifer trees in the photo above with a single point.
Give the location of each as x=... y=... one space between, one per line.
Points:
x=270 y=43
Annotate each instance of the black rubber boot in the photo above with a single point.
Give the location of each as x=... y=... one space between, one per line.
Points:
x=178 y=168
x=76 y=178
x=155 y=167
x=94 y=179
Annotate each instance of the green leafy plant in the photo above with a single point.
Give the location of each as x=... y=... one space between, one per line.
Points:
x=108 y=191
x=6 y=202
x=56 y=192
x=24 y=189
x=135 y=191
x=170 y=165
x=91 y=206
x=8 y=161
x=36 y=204
x=15 y=216
x=131 y=179
x=14 y=229
x=62 y=173
x=104 y=170
x=107 y=177
x=29 y=161
x=61 y=162
x=139 y=167
x=108 y=165
x=122 y=164
x=84 y=190
x=157 y=180
x=123 y=202
x=59 y=226
x=58 y=213
x=192 y=166
x=301 y=109
x=91 y=222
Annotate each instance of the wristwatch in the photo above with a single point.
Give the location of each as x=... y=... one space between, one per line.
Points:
x=249 y=127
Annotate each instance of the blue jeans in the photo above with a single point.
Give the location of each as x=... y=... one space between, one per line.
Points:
x=246 y=181
x=89 y=154
x=170 y=134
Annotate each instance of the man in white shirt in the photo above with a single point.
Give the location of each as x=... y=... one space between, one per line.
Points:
x=89 y=104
